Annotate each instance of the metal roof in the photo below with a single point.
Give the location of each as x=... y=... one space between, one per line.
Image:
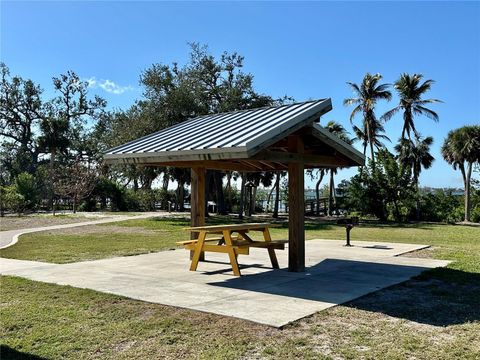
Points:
x=238 y=131
x=234 y=135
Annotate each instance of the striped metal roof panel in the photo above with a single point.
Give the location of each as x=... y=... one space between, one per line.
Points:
x=243 y=131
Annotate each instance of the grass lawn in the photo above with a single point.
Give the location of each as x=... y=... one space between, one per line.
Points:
x=139 y=236
x=434 y=316
x=30 y=221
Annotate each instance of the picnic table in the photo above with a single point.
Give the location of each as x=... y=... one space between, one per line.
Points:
x=232 y=239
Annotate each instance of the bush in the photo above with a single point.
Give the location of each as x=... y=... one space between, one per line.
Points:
x=143 y=200
x=11 y=200
x=27 y=188
x=475 y=214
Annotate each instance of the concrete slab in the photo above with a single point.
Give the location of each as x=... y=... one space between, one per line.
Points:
x=335 y=274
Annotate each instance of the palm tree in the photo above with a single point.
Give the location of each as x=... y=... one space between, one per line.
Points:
x=339 y=131
x=461 y=149
x=377 y=131
x=410 y=89
x=415 y=155
x=367 y=95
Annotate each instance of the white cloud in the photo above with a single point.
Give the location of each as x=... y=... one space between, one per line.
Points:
x=108 y=86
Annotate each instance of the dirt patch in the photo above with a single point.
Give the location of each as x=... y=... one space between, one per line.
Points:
x=102 y=229
x=33 y=221
x=427 y=253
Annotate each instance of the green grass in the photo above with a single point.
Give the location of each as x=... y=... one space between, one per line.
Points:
x=434 y=316
x=451 y=242
x=421 y=319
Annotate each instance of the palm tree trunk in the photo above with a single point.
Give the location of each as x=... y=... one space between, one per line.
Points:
x=269 y=197
x=370 y=140
x=277 y=195
x=331 y=194
x=417 y=210
x=467 y=191
x=418 y=201
x=229 y=192
x=364 y=155
x=317 y=190
x=218 y=181
x=372 y=154
x=242 y=197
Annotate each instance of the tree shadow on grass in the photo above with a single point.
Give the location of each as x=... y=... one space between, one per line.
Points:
x=7 y=353
x=439 y=297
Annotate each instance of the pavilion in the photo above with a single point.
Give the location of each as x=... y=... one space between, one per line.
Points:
x=286 y=137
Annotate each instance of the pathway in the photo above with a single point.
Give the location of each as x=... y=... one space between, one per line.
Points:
x=10 y=237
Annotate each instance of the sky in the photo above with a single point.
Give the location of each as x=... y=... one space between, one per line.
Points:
x=306 y=50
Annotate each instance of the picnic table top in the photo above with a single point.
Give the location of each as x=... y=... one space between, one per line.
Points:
x=245 y=226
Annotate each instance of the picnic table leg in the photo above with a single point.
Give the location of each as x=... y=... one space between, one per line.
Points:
x=231 y=253
x=271 y=251
x=198 y=250
x=194 y=235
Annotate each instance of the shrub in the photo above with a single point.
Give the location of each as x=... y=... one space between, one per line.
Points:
x=11 y=200
x=26 y=186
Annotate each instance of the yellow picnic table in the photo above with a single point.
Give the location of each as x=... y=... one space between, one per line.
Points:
x=232 y=239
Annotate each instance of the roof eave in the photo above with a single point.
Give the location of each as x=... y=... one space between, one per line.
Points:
x=172 y=156
x=357 y=158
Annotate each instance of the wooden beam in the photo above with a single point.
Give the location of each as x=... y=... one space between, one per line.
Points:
x=296 y=208
x=266 y=164
x=289 y=157
x=232 y=165
x=257 y=166
x=197 y=202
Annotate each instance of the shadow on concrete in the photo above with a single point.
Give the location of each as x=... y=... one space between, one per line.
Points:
x=439 y=297
x=7 y=353
x=331 y=280
x=228 y=268
x=378 y=247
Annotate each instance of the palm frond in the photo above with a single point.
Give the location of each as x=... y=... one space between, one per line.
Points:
x=352 y=101
x=421 y=110
x=356 y=110
x=390 y=113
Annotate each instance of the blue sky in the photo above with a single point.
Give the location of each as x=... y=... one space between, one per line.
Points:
x=303 y=49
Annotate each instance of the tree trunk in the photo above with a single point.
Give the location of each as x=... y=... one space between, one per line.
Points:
x=217 y=178
x=208 y=179
x=317 y=190
x=277 y=195
x=242 y=197
x=364 y=155
x=372 y=154
x=370 y=140
x=467 y=191
x=52 y=181
x=229 y=192
x=181 y=196
x=166 y=180
x=331 y=193
x=397 y=211
x=418 y=200
x=74 y=204
x=253 y=198
x=269 y=197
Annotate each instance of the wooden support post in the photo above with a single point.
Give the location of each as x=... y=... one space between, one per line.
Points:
x=296 y=211
x=197 y=203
